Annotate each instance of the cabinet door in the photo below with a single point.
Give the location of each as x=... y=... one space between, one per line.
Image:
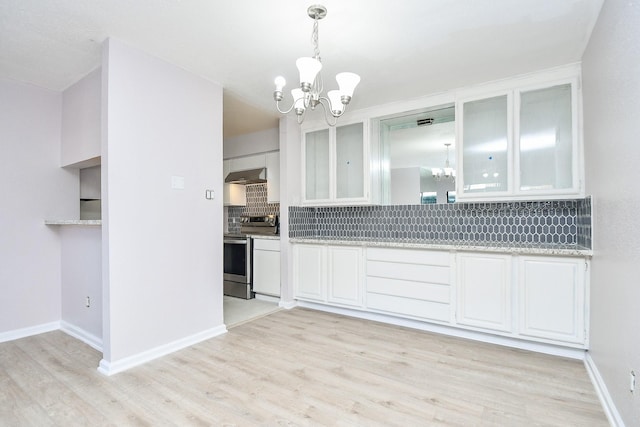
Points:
x=486 y=134
x=234 y=195
x=273 y=177
x=317 y=165
x=345 y=276
x=552 y=296
x=547 y=140
x=349 y=161
x=248 y=162
x=309 y=272
x=266 y=271
x=484 y=291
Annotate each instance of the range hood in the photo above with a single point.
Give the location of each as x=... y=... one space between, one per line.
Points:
x=251 y=176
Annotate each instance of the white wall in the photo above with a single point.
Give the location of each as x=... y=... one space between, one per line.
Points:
x=405 y=186
x=162 y=247
x=82 y=278
x=611 y=90
x=252 y=143
x=81 y=119
x=290 y=195
x=34 y=188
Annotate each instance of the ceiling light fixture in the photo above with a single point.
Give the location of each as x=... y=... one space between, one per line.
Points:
x=446 y=173
x=309 y=94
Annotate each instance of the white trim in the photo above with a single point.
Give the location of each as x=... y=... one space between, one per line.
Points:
x=84 y=336
x=29 y=331
x=268 y=298
x=288 y=305
x=108 y=368
x=555 y=350
x=609 y=407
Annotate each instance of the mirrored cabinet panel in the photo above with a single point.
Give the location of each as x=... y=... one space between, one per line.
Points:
x=418 y=156
x=546 y=143
x=485 y=129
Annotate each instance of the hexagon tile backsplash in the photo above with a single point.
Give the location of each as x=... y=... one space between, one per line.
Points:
x=552 y=222
x=256 y=205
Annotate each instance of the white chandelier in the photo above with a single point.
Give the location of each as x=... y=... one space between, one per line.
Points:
x=309 y=94
x=447 y=173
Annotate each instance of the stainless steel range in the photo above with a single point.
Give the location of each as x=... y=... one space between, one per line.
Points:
x=238 y=250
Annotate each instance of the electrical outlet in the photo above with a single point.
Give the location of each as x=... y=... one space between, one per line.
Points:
x=632 y=381
x=88 y=302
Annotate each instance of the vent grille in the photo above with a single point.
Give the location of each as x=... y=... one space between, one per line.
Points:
x=424 y=122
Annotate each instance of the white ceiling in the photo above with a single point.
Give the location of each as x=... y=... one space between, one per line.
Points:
x=402 y=49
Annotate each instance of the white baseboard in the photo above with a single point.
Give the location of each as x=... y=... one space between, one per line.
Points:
x=82 y=335
x=609 y=407
x=27 y=332
x=572 y=353
x=107 y=367
x=267 y=298
x=287 y=305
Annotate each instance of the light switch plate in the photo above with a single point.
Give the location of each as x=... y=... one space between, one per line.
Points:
x=177 y=182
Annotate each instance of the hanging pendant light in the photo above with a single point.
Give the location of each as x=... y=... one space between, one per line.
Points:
x=309 y=94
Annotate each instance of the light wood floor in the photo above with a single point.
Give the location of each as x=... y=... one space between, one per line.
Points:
x=297 y=368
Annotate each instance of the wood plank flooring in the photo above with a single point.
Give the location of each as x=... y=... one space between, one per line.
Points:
x=298 y=368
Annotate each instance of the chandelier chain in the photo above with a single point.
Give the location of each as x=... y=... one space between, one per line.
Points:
x=314 y=38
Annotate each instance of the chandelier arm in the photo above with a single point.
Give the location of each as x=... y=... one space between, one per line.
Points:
x=287 y=111
x=328 y=114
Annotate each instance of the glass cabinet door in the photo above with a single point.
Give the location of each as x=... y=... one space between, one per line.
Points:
x=317 y=169
x=546 y=139
x=485 y=148
x=349 y=161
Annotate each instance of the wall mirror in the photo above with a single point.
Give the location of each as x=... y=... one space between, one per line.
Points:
x=418 y=152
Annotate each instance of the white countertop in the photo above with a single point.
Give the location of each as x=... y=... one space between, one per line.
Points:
x=265 y=236
x=525 y=249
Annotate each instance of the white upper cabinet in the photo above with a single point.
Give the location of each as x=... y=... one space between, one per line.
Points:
x=254 y=161
x=546 y=140
x=486 y=152
x=317 y=169
x=350 y=161
x=520 y=143
x=336 y=165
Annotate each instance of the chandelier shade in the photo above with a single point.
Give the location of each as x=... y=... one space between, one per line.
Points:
x=309 y=94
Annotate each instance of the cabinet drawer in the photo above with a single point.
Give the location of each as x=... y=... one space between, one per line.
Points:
x=413 y=272
x=408 y=289
x=266 y=244
x=409 y=306
x=409 y=256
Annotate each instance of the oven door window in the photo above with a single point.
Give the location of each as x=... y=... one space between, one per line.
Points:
x=235 y=259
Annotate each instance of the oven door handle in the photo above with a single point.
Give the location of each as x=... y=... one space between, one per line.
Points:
x=236 y=242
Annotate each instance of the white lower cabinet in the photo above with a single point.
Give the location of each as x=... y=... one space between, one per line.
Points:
x=534 y=297
x=331 y=274
x=266 y=267
x=309 y=272
x=484 y=291
x=541 y=298
x=412 y=283
x=552 y=294
x=345 y=275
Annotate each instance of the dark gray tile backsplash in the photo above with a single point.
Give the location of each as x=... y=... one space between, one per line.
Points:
x=554 y=222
